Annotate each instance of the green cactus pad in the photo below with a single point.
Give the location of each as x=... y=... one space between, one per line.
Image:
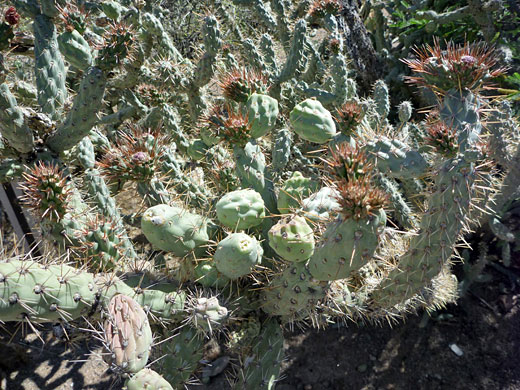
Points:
x=292 y=291
x=174 y=229
x=293 y=191
x=321 y=205
x=181 y=356
x=75 y=49
x=197 y=149
x=147 y=379
x=44 y=293
x=312 y=122
x=347 y=245
x=292 y=239
x=263 y=370
x=262 y=114
x=207 y=314
x=237 y=254
x=241 y=209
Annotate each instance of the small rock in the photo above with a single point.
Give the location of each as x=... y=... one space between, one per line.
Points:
x=456 y=350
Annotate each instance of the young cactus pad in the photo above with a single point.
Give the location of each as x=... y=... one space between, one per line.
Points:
x=262 y=114
x=174 y=229
x=128 y=334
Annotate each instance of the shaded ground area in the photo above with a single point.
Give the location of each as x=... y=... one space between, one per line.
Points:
x=485 y=326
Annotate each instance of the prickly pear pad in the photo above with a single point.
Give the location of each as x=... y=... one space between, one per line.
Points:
x=44 y=293
x=174 y=229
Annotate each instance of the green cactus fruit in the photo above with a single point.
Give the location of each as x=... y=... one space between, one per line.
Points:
x=292 y=238
x=241 y=209
x=320 y=206
x=147 y=379
x=346 y=246
x=237 y=254
x=128 y=335
x=262 y=114
x=44 y=293
x=174 y=229
x=207 y=314
x=312 y=122
x=292 y=291
x=261 y=370
x=293 y=191
x=181 y=356
x=197 y=149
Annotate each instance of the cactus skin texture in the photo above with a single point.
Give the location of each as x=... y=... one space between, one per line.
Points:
x=439 y=229
x=292 y=238
x=346 y=246
x=237 y=254
x=262 y=112
x=127 y=334
x=241 y=209
x=147 y=379
x=181 y=356
x=292 y=291
x=293 y=191
x=262 y=368
x=174 y=229
x=44 y=293
x=312 y=122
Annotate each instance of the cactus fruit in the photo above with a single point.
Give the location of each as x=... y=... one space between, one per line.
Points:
x=128 y=335
x=237 y=254
x=147 y=379
x=174 y=229
x=292 y=238
x=312 y=122
x=293 y=191
x=241 y=209
x=262 y=111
